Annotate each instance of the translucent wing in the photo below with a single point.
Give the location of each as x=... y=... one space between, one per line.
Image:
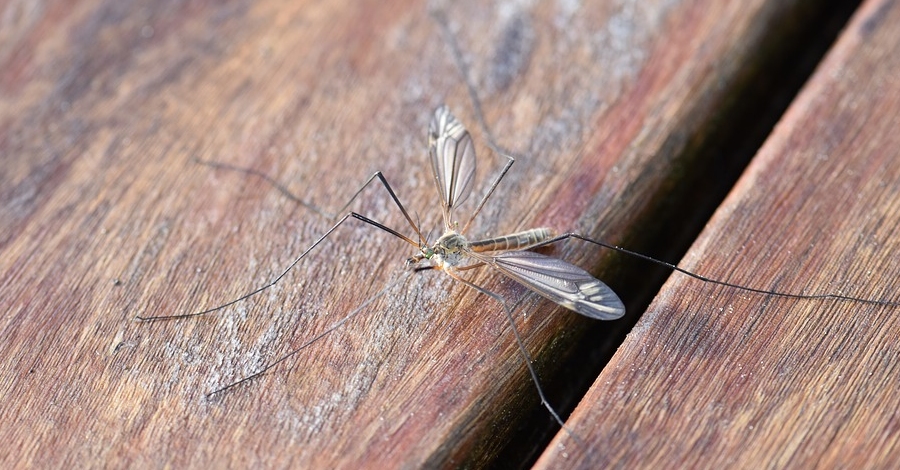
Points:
x=452 y=159
x=561 y=282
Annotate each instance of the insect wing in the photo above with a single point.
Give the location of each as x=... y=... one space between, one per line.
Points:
x=561 y=282
x=452 y=158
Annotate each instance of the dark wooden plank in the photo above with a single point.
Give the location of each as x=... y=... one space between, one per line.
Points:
x=105 y=217
x=711 y=377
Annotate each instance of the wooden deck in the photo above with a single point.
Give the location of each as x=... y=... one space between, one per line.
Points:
x=631 y=122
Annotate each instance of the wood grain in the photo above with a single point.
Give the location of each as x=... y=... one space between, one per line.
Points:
x=105 y=216
x=712 y=377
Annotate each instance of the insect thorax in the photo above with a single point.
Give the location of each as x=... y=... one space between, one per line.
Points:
x=449 y=250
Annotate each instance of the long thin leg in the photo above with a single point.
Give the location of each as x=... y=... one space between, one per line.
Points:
x=487 y=195
x=309 y=342
x=331 y=215
x=283 y=273
x=674 y=267
x=355 y=215
x=521 y=344
x=390 y=191
x=441 y=19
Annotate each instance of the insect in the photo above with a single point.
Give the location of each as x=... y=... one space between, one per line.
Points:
x=453 y=163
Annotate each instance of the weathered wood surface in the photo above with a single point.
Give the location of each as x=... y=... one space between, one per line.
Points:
x=714 y=378
x=104 y=216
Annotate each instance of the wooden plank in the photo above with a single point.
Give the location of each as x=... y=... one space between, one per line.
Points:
x=105 y=216
x=712 y=377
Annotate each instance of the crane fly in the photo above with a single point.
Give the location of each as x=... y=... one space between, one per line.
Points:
x=453 y=164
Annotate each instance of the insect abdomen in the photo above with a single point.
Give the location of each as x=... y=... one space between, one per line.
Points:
x=515 y=241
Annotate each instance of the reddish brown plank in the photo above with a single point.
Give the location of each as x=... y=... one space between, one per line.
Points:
x=713 y=378
x=105 y=217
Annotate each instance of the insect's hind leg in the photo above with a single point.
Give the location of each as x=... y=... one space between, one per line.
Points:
x=674 y=267
x=522 y=350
